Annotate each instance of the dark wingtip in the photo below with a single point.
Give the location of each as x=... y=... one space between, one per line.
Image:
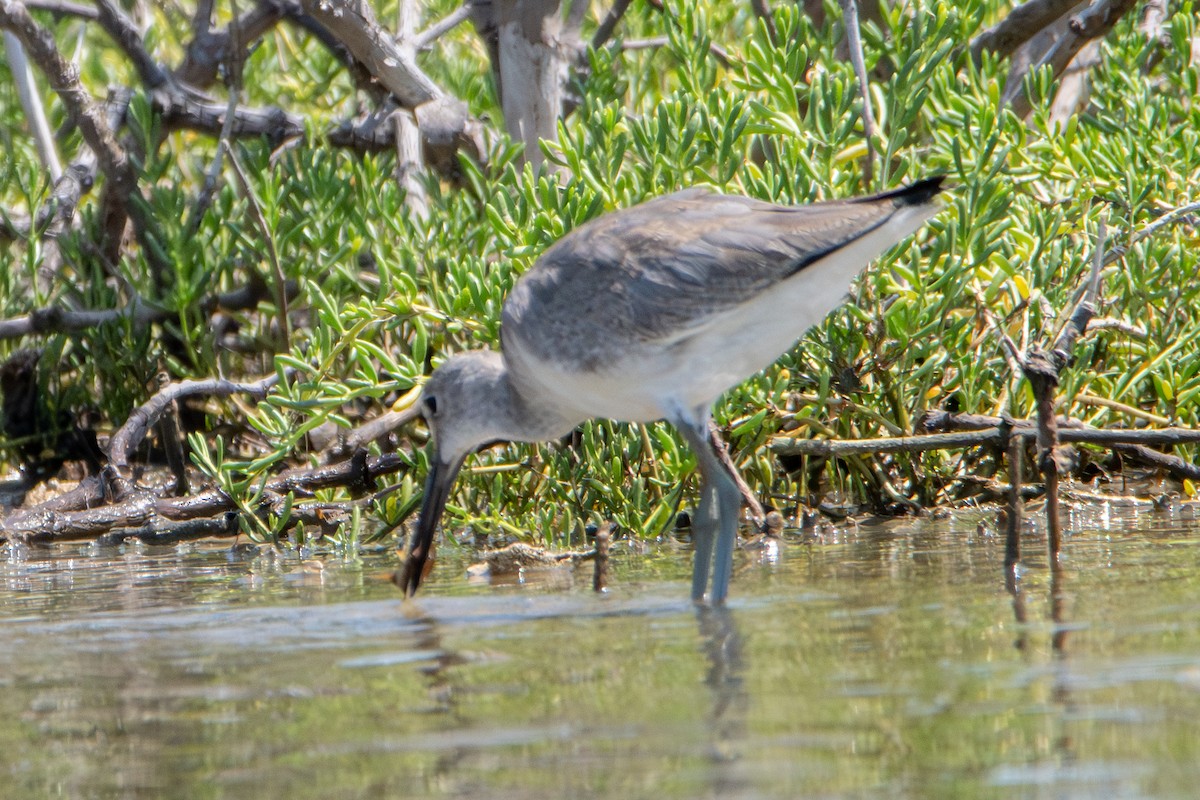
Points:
x=916 y=193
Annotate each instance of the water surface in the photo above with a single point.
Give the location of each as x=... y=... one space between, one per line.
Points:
x=886 y=661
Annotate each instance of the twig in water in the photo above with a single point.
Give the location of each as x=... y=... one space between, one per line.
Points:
x=600 y=570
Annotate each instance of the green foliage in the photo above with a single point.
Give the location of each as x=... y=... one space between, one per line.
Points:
x=387 y=296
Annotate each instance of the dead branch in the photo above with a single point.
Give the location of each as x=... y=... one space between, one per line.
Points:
x=131 y=434
x=353 y=24
x=443 y=26
x=40 y=45
x=31 y=103
x=68 y=518
x=974 y=430
x=181 y=111
x=129 y=39
x=1041 y=370
x=762 y=10
x=209 y=48
x=1022 y=24
x=55 y=319
x=721 y=448
x=1181 y=214
x=114 y=163
x=54 y=216
x=63 y=8
x=608 y=25
x=1094 y=22
x=371 y=431
x=855 y=46
x=715 y=50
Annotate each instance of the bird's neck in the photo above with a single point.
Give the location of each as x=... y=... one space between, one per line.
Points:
x=533 y=416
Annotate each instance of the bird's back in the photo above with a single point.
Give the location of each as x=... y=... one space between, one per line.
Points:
x=651 y=271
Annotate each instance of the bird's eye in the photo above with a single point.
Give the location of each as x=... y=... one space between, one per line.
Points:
x=431 y=405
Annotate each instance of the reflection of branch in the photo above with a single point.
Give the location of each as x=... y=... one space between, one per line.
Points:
x=1012 y=533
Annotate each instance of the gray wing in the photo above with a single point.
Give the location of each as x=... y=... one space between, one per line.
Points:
x=656 y=271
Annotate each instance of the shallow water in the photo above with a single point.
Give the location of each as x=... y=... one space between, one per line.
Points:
x=886 y=661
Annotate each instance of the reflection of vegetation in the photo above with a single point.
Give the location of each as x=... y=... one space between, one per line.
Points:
x=386 y=295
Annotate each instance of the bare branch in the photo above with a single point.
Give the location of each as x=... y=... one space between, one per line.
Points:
x=64 y=8
x=129 y=39
x=372 y=431
x=608 y=25
x=854 y=43
x=40 y=45
x=762 y=10
x=353 y=24
x=211 y=177
x=1094 y=22
x=1085 y=307
x=715 y=50
x=59 y=320
x=131 y=434
x=209 y=49
x=31 y=102
x=280 y=282
x=1133 y=442
x=182 y=111
x=721 y=448
x=112 y=159
x=442 y=26
x=409 y=165
x=1181 y=214
x=1022 y=24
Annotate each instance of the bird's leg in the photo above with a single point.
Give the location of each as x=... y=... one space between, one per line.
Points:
x=729 y=502
x=704 y=526
x=716 y=521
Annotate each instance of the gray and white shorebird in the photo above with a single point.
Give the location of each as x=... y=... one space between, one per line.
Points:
x=651 y=313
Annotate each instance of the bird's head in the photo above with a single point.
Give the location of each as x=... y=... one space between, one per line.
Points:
x=467 y=403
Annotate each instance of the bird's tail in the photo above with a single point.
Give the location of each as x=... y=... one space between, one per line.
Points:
x=917 y=193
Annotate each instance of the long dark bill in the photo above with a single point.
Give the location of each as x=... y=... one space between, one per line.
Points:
x=437 y=490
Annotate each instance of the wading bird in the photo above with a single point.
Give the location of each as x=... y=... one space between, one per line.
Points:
x=651 y=313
